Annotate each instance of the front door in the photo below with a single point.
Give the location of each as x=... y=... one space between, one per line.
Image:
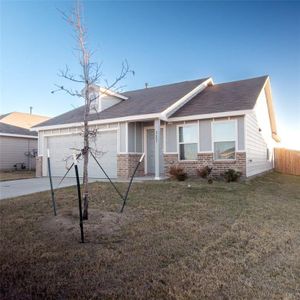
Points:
x=151 y=152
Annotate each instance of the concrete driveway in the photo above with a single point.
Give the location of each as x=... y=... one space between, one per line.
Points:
x=15 y=188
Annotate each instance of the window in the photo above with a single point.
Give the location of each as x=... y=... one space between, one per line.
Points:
x=224 y=139
x=188 y=142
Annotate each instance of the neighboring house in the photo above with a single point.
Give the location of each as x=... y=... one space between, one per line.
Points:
x=18 y=147
x=192 y=123
x=23 y=120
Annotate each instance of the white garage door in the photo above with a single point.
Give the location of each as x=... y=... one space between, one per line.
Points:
x=62 y=147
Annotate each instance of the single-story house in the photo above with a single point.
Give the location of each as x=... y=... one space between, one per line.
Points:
x=192 y=124
x=18 y=147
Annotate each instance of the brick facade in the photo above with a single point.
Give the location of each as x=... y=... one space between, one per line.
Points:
x=189 y=166
x=127 y=163
x=206 y=159
x=39 y=166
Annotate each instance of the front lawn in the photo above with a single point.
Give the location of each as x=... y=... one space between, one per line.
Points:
x=174 y=241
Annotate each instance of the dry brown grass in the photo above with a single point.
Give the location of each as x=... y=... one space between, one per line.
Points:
x=14 y=175
x=219 y=241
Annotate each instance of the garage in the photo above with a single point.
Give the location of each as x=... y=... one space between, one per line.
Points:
x=62 y=146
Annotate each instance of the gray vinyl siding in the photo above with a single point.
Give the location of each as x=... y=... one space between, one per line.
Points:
x=259 y=138
x=139 y=137
x=131 y=137
x=241 y=133
x=256 y=148
x=205 y=135
x=12 y=151
x=171 y=138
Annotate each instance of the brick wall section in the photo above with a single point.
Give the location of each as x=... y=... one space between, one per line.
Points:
x=189 y=166
x=39 y=166
x=206 y=159
x=127 y=163
x=239 y=165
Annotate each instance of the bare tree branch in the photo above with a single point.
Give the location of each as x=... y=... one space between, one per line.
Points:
x=68 y=91
x=125 y=70
x=67 y=75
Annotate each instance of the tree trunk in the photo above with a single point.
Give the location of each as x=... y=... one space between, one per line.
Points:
x=85 y=178
x=86 y=155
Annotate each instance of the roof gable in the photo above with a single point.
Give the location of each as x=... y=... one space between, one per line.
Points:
x=231 y=96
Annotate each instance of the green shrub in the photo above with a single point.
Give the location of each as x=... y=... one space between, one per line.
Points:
x=204 y=172
x=178 y=173
x=231 y=175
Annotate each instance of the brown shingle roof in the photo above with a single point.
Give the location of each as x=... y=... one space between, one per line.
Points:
x=231 y=96
x=10 y=129
x=139 y=102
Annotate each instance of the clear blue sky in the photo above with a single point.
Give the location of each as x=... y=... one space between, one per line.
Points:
x=164 y=42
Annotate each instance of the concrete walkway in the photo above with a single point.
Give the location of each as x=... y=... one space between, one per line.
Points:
x=15 y=188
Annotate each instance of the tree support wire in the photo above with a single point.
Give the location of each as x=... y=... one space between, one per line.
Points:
x=51 y=184
x=124 y=198
x=130 y=183
x=77 y=157
x=107 y=176
x=131 y=179
x=79 y=199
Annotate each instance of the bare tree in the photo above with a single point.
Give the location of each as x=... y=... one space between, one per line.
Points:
x=90 y=74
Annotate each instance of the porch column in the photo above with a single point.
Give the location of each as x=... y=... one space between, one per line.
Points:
x=157 y=147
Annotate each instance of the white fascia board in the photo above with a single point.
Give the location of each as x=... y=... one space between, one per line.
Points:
x=19 y=135
x=262 y=89
x=267 y=85
x=106 y=91
x=99 y=122
x=112 y=93
x=182 y=101
x=210 y=116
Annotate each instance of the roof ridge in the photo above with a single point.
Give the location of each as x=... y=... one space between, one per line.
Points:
x=166 y=85
x=24 y=113
x=246 y=79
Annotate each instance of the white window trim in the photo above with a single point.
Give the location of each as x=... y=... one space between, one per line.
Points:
x=225 y=140
x=196 y=142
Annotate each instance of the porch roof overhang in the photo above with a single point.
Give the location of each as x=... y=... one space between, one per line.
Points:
x=148 y=117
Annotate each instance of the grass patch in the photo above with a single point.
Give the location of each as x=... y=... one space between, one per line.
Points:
x=14 y=175
x=219 y=241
